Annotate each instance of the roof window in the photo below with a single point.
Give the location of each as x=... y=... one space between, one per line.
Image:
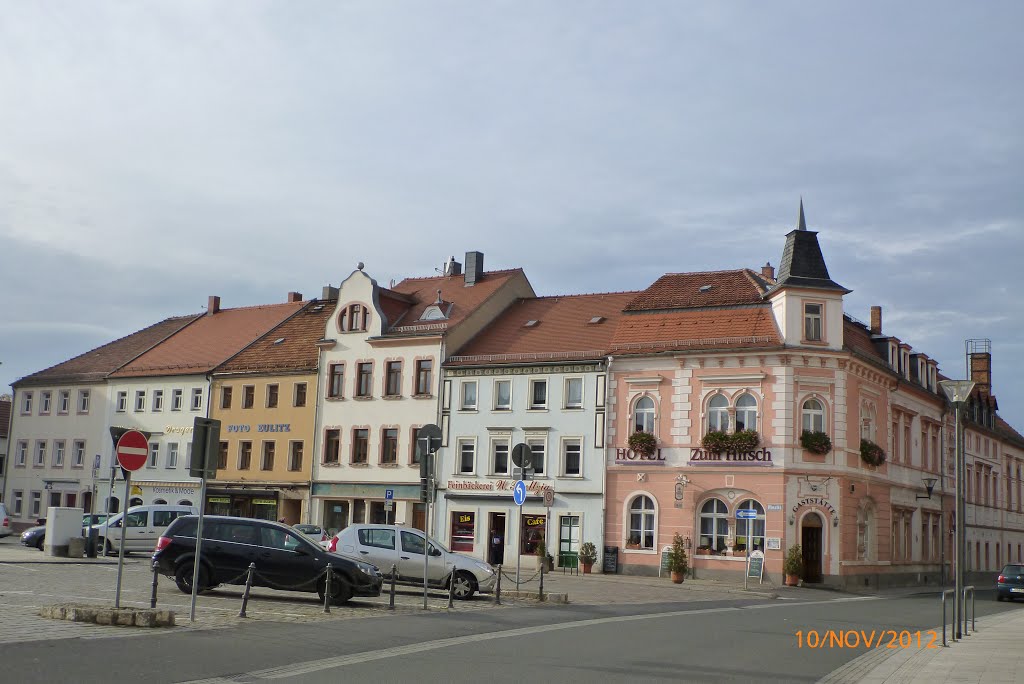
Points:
x=705 y=288
x=530 y=323
x=597 y=319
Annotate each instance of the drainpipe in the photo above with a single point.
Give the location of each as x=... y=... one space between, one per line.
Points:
x=604 y=464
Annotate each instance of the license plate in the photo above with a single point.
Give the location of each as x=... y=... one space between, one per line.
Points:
x=1017 y=590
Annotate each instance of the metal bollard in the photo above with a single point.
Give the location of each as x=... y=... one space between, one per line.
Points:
x=543 y=563
x=152 y=596
x=391 y=601
x=497 y=589
x=327 y=589
x=451 y=590
x=248 y=586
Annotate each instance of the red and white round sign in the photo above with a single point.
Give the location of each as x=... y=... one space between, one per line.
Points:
x=132 y=450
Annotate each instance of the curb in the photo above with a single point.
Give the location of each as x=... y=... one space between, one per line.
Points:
x=549 y=597
x=101 y=615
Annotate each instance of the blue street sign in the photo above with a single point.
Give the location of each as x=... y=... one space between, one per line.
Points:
x=519 y=492
x=389 y=494
x=746 y=514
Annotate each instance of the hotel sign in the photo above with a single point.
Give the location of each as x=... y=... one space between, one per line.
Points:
x=630 y=457
x=758 y=457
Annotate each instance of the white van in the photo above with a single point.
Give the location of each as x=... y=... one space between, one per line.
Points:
x=145 y=525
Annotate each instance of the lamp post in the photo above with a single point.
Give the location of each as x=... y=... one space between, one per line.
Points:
x=958 y=391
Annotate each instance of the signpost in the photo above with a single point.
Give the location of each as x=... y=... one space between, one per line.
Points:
x=205 y=452
x=131 y=451
x=749 y=514
x=428 y=441
x=519 y=496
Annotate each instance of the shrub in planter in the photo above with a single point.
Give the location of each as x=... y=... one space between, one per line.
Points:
x=816 y=442
x=745 y=440
x=587 y=555
x=793 y=564
x=871 y=453
x=643 y=443
x=716 y=442
x=678 y=563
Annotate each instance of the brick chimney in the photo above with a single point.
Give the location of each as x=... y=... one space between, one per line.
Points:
x=981 y=370
x=294 y=297
x=768 y=271
x=474 y=267
x=212 y=305
x=876 y=320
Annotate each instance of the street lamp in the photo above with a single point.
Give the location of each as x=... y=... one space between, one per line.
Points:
x=958 y=391
x=929 y=485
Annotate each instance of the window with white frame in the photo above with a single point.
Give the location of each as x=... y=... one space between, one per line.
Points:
x=295 y=456
x=867 y=421
x=643 y=415
x=64 y=401
x=79 y=453
x=154 y=454
x=393 y=379
x=83 y=401
x=572 y=457
x=364 y=379
x=197 y=398
x=176 y=398
x=424 y=377
x=538 y=394
x=140 y=400
x=714 y=525
x=172 y=455
x=269 y=451
x=40 y=453
x=19 y=502
x=499 y=456
x=502 y=395
x=272 y=395
x=389 y=446
x=22 y=453
x=158 y=400
x=37 y=502
x=44 y=402
x=468 y=400
x=58 y=453
x=813 y=416
x=467 y=457
x=746 y=412
x=538 y=452
x=718 y=414
x=26 y=402
x=641 y=523
x=299 y=395
x=750 y=532
x=812 y=322
x=573 y=393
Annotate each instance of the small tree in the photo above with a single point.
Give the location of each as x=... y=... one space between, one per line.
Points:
x=677 y=560
x=587 y=553
x=794 y=562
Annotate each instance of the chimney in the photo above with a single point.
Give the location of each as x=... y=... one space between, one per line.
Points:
x=294 y=297
x=768 y=271
x=329 y=293
x=474 y=267
x=876 y=320
x=212 y=305
x=981 y=370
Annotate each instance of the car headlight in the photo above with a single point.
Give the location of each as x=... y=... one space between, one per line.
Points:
x=367 y=569
x=484 y=566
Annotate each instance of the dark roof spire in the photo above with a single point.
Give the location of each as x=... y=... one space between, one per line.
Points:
x=801 y=224
x=802 y=264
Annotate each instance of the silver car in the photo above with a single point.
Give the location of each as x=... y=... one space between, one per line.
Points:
x=387 y=545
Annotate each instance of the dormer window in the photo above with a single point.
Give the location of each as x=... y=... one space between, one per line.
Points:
x=435 y=312
x=812 y=322
x=354 y=318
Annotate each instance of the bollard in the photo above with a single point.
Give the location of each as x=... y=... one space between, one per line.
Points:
x=497 y=589
x=451 y=590
x=327 y=589
x=248 y=586
x=543 y=562
x=152 y=596
x=391 y=601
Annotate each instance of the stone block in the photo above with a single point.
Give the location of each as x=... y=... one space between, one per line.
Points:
x=124 y=617
x=165 y=618
x=145 y=618
x=105 y=616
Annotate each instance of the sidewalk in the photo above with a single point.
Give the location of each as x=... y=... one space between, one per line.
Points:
x=11 y=552
x=991 y=655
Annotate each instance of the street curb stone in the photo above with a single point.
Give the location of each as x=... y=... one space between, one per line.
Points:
x=101 y=615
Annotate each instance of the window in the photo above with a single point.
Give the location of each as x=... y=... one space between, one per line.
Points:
x=750 y=533
x=572 y=458
x=140 y=400
x=26 y=402
x=718 y=414
x=225 y=397
x=532 y=533
x=424 y=377
x=538 y=394
x=295 y=456
x=469 y=395
x=364 y=379
x=393 y=381
x=22 y=456
x=79 y=453
x=354 y=318
x=83 y=401
x=122 y=402
x=467 y=458
x=267 y=462
x=197 y=398
x=37 y=502
x=335 y=381
x=188 y=455
x=415 y=442
x=248 y=396
x=40 y=453
x=377 y=538
x=574 y=393
x=158 y=400
x=812 y=322
x=538 y=448
x=64 y=401
x=222 y=457
x=332 y=446
x=154 y=454
x=643 y=415
x=244 y=455
x=641 y=523
x=499 y=457
x=18 y=502
x=463 y=531
x=272 y=396
x=176 y=399
x=44 y=402
x=502 y=395
x=299 y=396
x=813 y=416
x=389 y=446
x=714 y=525
x=746 y=413
x=360 y=445
x=58 y=453
x=172 y=455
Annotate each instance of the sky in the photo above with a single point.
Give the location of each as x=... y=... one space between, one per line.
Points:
x=152 y=154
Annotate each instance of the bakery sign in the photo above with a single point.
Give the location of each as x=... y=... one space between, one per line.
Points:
x=496 y=486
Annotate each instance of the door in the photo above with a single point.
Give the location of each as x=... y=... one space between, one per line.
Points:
x=496 y=539
x=810 y=542
x=376 y=545
x=410 y=560
x=285 y=561
x=568 y=540
x=138 y=534
x=230 y=547
x=419 y=517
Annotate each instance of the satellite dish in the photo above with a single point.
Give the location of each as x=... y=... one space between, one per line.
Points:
x=522 y=455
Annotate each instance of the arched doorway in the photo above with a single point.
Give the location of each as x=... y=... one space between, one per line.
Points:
x=811 y=534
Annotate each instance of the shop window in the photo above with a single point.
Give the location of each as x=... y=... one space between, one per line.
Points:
x=813 y=416
x=135 y=501
x=714 y=526
x=718 y=414
x=643 y=415
x=641 y=523
x=532 y=534
x=746 y=412
x=378 y=516
x=463 y=531
x=750 y=533
x=336 y=518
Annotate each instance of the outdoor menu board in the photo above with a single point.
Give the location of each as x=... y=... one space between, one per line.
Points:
x=755 y=565
x=611 y=560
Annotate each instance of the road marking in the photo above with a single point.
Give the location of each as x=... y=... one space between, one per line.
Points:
x=19 y=566
x=297 y=669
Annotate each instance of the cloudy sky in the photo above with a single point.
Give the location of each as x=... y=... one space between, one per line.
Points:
x=155 y=153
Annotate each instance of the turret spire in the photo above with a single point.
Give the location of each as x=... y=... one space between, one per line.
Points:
x=801 y=224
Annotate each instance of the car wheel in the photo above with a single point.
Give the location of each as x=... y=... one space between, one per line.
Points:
x=101 y=547
x=183 y=578
x=464 y=586
x=39 y=544
x=341 y=592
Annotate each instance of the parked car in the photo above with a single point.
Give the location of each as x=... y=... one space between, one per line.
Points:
x=284 y=558
x=1010 y=583
x=5 y=522
x=34 y=536
x=316 y=533
x=145 y=525
x=387 y=545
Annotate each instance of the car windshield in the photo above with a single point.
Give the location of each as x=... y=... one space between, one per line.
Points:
x=1013 y=570
x=308 y=529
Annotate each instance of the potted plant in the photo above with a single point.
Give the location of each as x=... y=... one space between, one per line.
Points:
x=745 y=440
x=543 y=557
x=793 y=565
x=587 y=556
x=678 y=564
x=716 y=442
x=642 y=443
x=871 y=453
x=816 y=442
x=633 y=542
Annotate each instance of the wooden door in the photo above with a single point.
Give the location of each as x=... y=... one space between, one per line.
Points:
x=810 y=541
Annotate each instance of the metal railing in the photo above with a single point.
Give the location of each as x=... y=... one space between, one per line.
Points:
x=951 y=593
x=969 y=588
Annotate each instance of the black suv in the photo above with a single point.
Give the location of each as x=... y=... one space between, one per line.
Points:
x=284 y=558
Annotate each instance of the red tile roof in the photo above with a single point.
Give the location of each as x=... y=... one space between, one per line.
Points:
x=423 y=292
x=563 y=330
x=857 y=338
x=732 y=328
x=291 y=346
x=209 y=341
x=683 y=290
x=95 y=365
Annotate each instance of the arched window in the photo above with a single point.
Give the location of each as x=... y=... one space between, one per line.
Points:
x=714 y=525
x=134 y=501
x=867 y=421
x=643 y=415
x=159 y=501
x=718 y=414
x=354 y=317
x=746 y=413
x=750 y=533
x=184 y=502
x=113 y=505
x=813 y=416
x=641 y=523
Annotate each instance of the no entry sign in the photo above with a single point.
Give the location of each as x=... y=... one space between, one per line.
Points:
x=132 y=450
